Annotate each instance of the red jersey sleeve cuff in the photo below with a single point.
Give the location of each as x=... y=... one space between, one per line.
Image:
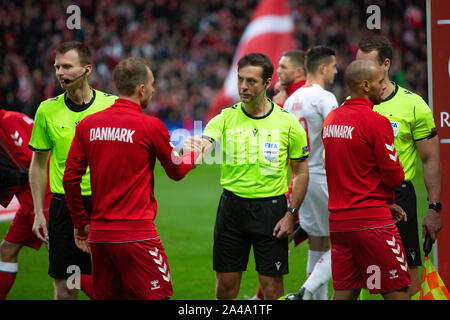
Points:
x=80 y=222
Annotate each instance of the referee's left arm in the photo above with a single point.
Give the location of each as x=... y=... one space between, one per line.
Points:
x=285 y=226
x=301 y=179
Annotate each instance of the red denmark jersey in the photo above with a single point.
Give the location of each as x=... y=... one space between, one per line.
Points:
x=15 y=133
x=120 y=144
x=362 y=165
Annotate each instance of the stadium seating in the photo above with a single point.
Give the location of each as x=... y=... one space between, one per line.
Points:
x=190 y=43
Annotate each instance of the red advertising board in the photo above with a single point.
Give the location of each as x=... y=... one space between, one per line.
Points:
x=438 y=25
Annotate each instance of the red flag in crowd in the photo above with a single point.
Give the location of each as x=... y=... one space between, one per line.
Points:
x=269 y=32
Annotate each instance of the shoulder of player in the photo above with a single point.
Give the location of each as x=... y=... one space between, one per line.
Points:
x=104 y=95
x=50 y=103
x=145 y=122
x=284 y=114
x=8 y=115
x=289 y=100
x=317 y=95
x=409 y=96
x=377 y=121
x=324 y=95
x=230 y=111
x=152 y=123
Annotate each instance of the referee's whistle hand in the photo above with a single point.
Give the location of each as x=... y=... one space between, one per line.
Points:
x=432 y=224
x=40 y=227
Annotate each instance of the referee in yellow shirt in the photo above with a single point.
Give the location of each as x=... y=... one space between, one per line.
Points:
x=256 y=139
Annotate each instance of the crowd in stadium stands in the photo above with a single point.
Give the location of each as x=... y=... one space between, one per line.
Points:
x=190 y=44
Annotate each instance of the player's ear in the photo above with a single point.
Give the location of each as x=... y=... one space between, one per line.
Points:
x=140 y=90
x=365 y=86
x=300 y=72
x=387 y=64
x=88 y=69
x=322 y=68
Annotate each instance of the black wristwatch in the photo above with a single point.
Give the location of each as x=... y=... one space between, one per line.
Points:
x=436 y=206
x=293 y=211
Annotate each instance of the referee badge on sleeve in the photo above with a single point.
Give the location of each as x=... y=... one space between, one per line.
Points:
x=271 y=150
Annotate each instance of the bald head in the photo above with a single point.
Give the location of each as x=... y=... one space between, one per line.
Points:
x=365 y=79
x=358 y=71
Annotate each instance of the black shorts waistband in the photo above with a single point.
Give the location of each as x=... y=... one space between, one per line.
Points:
x=232 y=195
x=407 y=183
x=405 y=186
x=62 y=196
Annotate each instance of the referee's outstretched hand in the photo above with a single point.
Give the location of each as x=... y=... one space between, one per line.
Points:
x=285 y=226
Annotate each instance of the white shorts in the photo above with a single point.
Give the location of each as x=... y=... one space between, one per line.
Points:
x=314 y=212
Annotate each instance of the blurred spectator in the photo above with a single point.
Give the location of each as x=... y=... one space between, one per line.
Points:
x=190 y=43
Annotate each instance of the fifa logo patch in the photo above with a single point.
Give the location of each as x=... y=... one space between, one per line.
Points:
x=271 y=150
x=395 y=128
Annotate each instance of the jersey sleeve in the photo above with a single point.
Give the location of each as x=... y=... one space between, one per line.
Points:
x=16 y=132
x=76 y=164
x=298 y=142
x=174 y=165
x=424 y=126
x=386 y=156
x=214 y=129
x=40 y=139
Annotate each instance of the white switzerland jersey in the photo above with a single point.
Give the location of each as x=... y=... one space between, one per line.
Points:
x=311 y=104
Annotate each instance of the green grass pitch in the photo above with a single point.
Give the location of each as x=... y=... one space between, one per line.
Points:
x=185 y=222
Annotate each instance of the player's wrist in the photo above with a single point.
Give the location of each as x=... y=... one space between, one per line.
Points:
x=39 y=212
x=435 y=207
x=293 y=212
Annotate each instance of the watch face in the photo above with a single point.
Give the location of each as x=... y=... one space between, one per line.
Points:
x=435 y=206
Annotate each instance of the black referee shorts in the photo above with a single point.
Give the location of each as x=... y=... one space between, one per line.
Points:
x=405 y=197
x=241 y=223
x=63 y=251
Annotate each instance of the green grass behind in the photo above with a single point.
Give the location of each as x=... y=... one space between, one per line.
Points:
x=185 y=222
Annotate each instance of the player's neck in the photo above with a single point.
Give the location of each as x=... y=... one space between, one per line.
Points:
x=298 y=79
x=312 y=79
x=389 y=88
x=81 y=94
x=133 y=98
x=258 y=108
